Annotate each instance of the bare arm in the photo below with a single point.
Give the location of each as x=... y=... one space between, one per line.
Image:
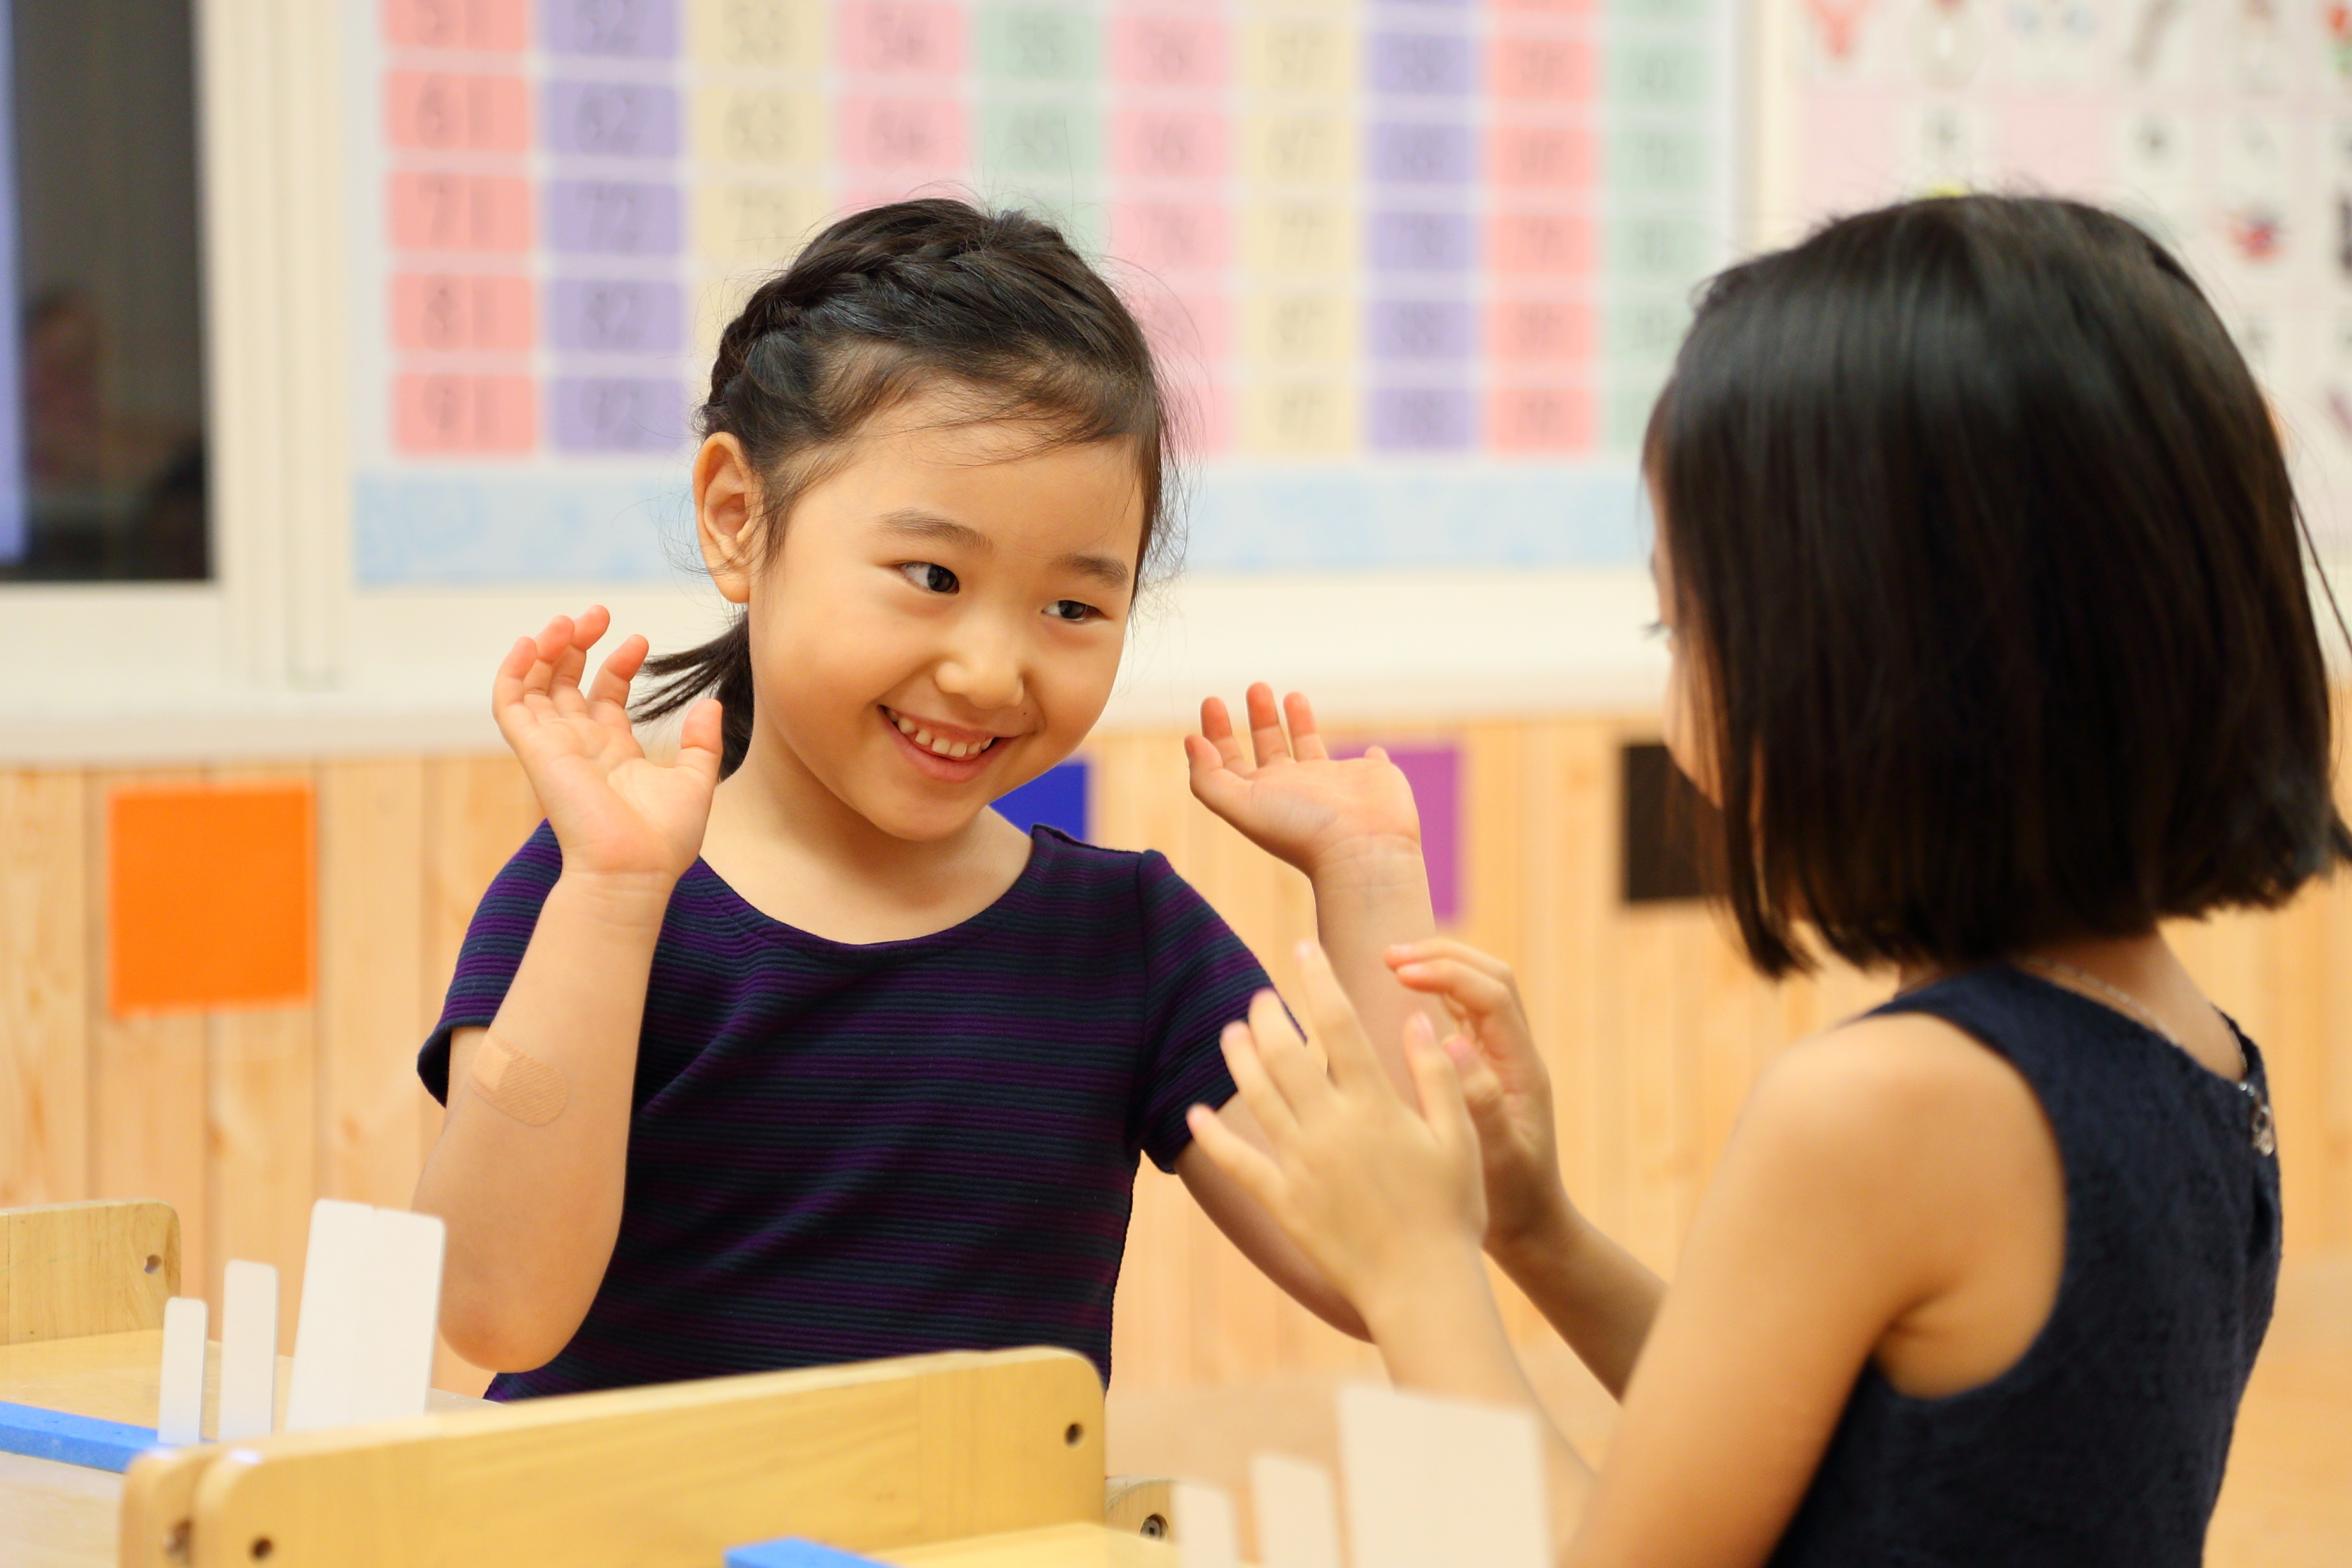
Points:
x=528 y=1172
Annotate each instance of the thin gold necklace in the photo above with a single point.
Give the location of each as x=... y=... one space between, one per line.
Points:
x=2261 y=1127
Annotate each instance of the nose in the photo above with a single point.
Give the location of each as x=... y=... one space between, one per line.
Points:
x=983 y=664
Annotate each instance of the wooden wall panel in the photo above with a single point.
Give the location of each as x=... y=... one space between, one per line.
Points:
x=1653 y=1026
x=44 y=1013
x=149 y=1077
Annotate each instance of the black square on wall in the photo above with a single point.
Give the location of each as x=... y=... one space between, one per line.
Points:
x=1665 y=822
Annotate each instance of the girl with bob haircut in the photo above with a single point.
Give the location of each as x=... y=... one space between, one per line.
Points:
x=795 y=1051
x=1992 y=639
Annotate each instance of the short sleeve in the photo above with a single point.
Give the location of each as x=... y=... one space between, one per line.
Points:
x=493 y=950
x=1198 y=977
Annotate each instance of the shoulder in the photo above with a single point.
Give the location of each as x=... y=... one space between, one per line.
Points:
x=1067 y=865
x=1900 y=1107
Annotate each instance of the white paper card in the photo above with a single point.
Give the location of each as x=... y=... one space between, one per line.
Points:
x=1436 y=1483
x=1297 y=1513
x=371 y=1304
x=180 y=1407
x=248 y=1374
x=1207 y=1536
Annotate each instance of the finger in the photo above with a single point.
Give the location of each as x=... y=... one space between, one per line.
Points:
x=1447 y=947
x=1440 y=1094
x=700 y=740
x=1217 y=728
x=507 y=688
x=546 y=648
x=588 y=629
x=1306 y=740
x=1482 y=1089
x=1266 y=738
x=570 y=663
x=1331 y=1019
x=1474 y=992
x=1258 y=1090
x=1214 y=785
x=1305 y=1085
x=1251 y=1170
x=619 y=668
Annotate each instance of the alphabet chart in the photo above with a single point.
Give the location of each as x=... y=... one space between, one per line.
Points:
x=2224 y=127
x=1415 y=268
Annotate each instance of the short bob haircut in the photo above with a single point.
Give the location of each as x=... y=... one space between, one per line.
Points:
x=1982 y=543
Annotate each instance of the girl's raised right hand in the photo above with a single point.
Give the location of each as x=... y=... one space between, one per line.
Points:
x=1504 y=1083
x=616 y=814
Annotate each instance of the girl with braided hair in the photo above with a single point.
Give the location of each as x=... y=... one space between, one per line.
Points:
x=794 y=1051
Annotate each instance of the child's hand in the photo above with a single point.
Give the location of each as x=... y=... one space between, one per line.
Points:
x=1295 y=803
x=1376 y=1193
x=616 y=814
x=1503 y=1083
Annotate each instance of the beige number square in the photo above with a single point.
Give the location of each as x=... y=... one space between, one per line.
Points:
x=1299 y=419
x=761 y=35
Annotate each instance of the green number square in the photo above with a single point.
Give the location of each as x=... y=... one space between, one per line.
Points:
x=1688 y=12
x=1626 y=413
x=1650 y=159
x=1058 y=142
x=1040 y=43
x=1658 y=74
x=1651 y=249
x=1644 y=329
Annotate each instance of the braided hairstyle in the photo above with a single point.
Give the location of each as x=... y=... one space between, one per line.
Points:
x=994 y=308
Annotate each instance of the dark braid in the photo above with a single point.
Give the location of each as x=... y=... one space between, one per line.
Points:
x=916 y=296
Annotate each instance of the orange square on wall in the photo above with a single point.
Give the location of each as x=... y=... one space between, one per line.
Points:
x=209 y=896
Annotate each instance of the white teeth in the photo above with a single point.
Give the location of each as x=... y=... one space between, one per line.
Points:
x=939 y=745
x=906 y=725
x=946 y=748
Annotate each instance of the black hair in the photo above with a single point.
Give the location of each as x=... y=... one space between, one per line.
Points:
x=1984 y=541
x=994 y=308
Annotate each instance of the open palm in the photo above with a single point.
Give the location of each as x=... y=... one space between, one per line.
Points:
x=1288 y=795
x=616 y=812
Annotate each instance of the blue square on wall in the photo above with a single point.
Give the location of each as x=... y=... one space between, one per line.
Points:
x=793 y=1552
x=1057 y=797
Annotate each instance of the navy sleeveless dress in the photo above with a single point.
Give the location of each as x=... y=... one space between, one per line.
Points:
x=2104 y=1444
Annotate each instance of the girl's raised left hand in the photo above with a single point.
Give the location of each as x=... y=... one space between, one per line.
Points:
x=1379 y=1194
x=1290 y=797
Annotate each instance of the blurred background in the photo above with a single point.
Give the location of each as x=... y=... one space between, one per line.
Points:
x=356 y=336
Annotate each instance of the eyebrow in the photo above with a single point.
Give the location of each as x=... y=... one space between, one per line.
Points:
x=914 y=524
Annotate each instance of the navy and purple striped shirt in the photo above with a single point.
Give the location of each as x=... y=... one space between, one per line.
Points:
x=840 y=1153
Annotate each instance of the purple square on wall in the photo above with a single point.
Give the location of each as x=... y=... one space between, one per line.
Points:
x=611 y=119
x=1419 y=328
x=1419 y=241
x=1434 y=63
x=616 y=316
x=618 y=414
x=615 y=29
x=1421 y=418
x=1418 y=152
x=612 y=217
x=1436 y=775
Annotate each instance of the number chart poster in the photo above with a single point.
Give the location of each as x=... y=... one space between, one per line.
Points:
x=1416 y=267
x=2222 y=126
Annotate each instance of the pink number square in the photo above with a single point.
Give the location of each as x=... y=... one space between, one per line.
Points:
x=460 y=211
x=1541 y=330
x=449 y=413
x=1540 y=157
x=1171 y=236
x=923 y=38
x=461 y=313
x=1540 y=243
x=1574 y=8
x=499 y=25
x=442 y=111
x=1201 y=417
x=1542 y=69
x=1169 y=49
x=1186 y=332
x=918 y=136
x=1551 y=418
x=1168 y=144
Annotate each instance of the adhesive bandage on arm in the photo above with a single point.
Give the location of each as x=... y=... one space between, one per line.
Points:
x=525 y=1088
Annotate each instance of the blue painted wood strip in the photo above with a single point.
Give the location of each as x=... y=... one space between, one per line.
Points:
x=793 y=1552
x=71 y=1439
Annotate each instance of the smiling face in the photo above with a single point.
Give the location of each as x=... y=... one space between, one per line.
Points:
x=942 y=617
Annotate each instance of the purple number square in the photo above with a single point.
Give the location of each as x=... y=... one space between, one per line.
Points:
x=1434 y=772
x=1420 y=242
x=1423 y=154
x=1420 y=328
x=612 y=217
x=1422 y=418
x=622 y=29
x=612 y=119
x=619 y=413
x=617 y=316
x=1434 y=63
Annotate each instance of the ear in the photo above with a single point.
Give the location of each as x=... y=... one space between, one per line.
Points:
x=726 y=514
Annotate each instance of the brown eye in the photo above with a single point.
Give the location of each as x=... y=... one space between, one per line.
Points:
x=1072 y=610
x=929 y=576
